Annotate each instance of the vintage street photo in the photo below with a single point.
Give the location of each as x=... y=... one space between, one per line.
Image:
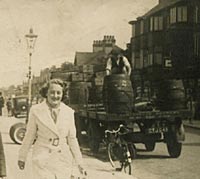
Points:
x=99 y=89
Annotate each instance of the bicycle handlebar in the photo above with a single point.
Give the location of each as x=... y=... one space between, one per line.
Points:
x=115 y=131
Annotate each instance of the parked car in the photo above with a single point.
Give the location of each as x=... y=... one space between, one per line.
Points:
x=20 y=106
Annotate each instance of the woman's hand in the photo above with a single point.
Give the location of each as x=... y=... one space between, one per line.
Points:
x=82 y=170
x=21 y=164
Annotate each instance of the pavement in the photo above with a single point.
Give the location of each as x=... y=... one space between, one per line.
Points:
x=192 y=123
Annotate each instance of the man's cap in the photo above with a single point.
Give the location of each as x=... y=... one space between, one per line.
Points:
x=116 y=50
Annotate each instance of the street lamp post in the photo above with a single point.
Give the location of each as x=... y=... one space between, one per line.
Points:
x=30 y=39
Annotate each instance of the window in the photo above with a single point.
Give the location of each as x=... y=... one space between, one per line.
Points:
x=145 y=61
x=160 y=23
x=173 y=15
x=137 y=63
x=145 y=58
x=158 y=58
x=141 y=27
x=133 y=30
x=151 y=24
x=167 y=21
x=197 y=45
x=150 y=59
x=197 y=15
x=156 y=23
x=137 y=60
x=141 y=58
x=182 y=14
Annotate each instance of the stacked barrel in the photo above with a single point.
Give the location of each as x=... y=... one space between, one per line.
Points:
x=118 y=94
x=170 y=95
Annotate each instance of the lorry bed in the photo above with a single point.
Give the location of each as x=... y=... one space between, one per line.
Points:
x=135 y=116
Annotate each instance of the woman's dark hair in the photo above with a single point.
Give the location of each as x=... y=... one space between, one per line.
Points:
x=43 y=91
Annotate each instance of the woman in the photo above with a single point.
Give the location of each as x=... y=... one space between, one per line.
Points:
x=2 y=160
x=51 y=125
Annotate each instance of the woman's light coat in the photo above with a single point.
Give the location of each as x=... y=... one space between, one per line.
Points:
x=2 y=159
x=56 y=144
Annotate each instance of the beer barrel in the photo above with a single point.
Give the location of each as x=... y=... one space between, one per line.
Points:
x=78 y=94
x=96 y=95
x=96 y=91
x=118 y=94
x=170 y=95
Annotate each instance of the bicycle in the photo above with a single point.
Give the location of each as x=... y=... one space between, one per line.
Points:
x=120 y=151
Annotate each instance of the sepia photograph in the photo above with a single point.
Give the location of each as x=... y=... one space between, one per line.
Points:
x=99 y=89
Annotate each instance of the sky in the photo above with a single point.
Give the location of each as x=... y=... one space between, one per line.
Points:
x=63 y=27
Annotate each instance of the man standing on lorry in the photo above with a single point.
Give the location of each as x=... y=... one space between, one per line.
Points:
x=117 y=63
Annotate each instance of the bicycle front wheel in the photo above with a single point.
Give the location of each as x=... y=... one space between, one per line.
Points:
x=114 y=153
x=118 y=157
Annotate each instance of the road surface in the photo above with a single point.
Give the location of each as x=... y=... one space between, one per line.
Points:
x=147 y=165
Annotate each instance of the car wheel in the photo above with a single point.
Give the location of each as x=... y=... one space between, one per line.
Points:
x=17 y=132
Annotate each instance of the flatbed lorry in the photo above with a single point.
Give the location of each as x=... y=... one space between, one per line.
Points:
x=148 y=127
x=114 y=103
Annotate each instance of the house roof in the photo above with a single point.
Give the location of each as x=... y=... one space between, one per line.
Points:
x=162 y=5
x=92 y=58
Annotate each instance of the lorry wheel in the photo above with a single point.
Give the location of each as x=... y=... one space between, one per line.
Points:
x=150 y=146
x=174 y=148
x=94 y=137
x=17 y=132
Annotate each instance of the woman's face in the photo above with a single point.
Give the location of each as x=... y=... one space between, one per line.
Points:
x=54 y=94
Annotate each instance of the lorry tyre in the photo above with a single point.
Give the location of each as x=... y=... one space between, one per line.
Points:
x=17 y=132
x=94 y=136
x=150 y=146
x=174 y=148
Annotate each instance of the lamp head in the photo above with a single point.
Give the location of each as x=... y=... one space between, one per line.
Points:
x=31 y=39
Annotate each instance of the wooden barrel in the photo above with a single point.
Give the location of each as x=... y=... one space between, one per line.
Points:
x=96 y=95
x=118 y=94
x=170 y=95
x=78 y=93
